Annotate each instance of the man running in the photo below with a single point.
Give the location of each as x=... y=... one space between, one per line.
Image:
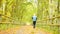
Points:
x=34 y=18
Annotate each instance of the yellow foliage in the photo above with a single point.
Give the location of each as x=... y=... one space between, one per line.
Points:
x=0 y=11
x=8 y=14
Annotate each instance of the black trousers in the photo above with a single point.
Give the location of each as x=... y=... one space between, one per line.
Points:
x=34 y=24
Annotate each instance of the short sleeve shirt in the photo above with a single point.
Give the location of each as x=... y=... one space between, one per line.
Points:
x=34 y=18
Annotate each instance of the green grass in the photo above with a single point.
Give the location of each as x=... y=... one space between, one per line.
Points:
x=7 y=26
x=52 y=29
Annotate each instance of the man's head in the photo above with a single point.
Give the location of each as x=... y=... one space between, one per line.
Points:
x=34 y=14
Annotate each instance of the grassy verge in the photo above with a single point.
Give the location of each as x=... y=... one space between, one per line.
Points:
x=7 y=26
x=52 y=29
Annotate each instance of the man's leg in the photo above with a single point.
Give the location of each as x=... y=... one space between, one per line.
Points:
x=34 y=24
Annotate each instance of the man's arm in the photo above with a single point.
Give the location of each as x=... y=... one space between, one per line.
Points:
x=36 y=18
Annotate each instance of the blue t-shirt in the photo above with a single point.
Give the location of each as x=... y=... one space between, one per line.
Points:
x=34 y=18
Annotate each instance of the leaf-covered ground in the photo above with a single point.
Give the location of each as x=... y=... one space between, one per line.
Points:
x=24 y=30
